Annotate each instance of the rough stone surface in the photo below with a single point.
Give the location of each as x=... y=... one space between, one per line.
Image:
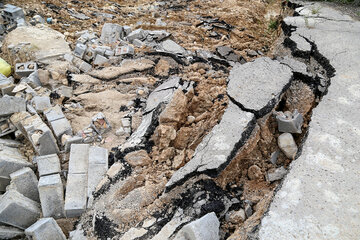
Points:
x=48 y=164
x=51 y=196
x=215 y=148
x=13 y=205
x=318 y=199
x=25 y=182
x=10 y=105
x=205 y=228
x=287 y=144
x=45 y=229
x=263 y=78
x=301 y=44
x=138 y=158
x=10 y=232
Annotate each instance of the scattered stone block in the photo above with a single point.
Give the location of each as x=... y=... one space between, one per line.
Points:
x=278 y=174
x=127 y=30
x=111 y=33
x=289 y=122
x=32 y=80
x=100 y=60
x=39 y=135
x=90 y=54
x=11 y=13
x=10 y=105
x=127 y=50
x=25 y=69
x=80 y=50
x=65 y=91
x=138 y=43
x=8 y=90
x=10 y=232
x=79 y=158
x=45 y=229
x=76 y=194
x=41 y=103
x=54 y=113
x=85 y=67
x=25 y=182
x=51 y=196
x=11 y=160
x=98 y=166
x=172 y=47
x=48 y=164
x=72 y=140
x=287 y=145
x=17 y=210
x=136 y=34
x=60 y=127
x=205 y=228
x=109 y=53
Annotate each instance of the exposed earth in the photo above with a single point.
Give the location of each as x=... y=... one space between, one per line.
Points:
x=219 y=120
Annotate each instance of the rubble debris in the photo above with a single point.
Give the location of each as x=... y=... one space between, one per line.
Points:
x=12 y=13
x=10 y=232
x=213 y=152
x=289 y=122
x=205 y=228
x=25 y=182
x=111 y=33
x=48 y=164
x=138 y=158
x=51 y=193
x=41 y=103
x=25 y=69
x=45 y=228
x=278 y=174
x=13 y=205
x=287 y=145
x=10 y=105
x=100 y=124
x=172 y=47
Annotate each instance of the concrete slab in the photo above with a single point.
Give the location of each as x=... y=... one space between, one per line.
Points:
x=48 y=164
x=79 y=159
x=13 y=205
x=10 y=105
x=319 y=197
x=25 y=182
x=45 y=229
x=76 y=195
x=214 y=152
x=51 y=196
x=263 y=78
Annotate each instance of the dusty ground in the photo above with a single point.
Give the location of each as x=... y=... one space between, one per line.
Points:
x=243 y=25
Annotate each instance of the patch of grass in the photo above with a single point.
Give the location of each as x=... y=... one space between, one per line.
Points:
x=273 y=24
x=315 y=10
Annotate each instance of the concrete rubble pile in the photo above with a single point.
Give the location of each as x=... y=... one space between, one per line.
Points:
x=117 y=132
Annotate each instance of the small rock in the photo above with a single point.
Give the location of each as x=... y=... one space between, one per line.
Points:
x=237 y=216
x=287 y=145
x=254 y=172
x=278 y=174
x=138 y=158
x=248 y=210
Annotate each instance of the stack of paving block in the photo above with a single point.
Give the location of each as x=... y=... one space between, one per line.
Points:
x=87 y=165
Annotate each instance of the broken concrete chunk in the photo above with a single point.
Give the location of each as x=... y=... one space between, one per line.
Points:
x=80 y=50
x=41 y=103
x=11 y=13
x=138 y=158
x=111 y=33
x=100 y=60
x=25 y=182
x=302 y=45
x=100 y=124
x=205 y=228
x=172 y=47
x=51 y=196
x=45 y=229
x=287 y=145
x=98 y=166
x=72 y=140
x=60 y=127
x=263 y=78
x=48 y=164
x=215 y=149
x=278 y=174
x=295 y=65
x=136 y=34
x=224 y=50
x=32 y=80
x=274 y=156
x=126 y=50
x=290 y=123
x=10 y=105
x=10 y=232
x=25 y=69
x=76 y=195
x=54 y=113
x=17 y=210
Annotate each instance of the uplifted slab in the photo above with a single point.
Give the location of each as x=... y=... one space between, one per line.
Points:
x=319 y=198
x=258 y=85
x=214 y=151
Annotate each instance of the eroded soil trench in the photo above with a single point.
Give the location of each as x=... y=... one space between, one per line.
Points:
x=133 y=201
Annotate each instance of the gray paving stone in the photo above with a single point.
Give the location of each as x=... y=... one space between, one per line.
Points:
x=10 y=105
x=45 y=229
x=205 y=228
x=41 y=103
x=10 y=232
x=54 y=113
x=60 y=127
x=25 y=182
x=79 y=158
x=98 y=166
x=215 y=149
x=263 y=78
x=17 y=210
x=76 y=195
x=72 y=140
x=48 y=164
x=51 y=196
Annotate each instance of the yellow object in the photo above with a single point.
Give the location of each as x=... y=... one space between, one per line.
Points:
x=5 y=68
